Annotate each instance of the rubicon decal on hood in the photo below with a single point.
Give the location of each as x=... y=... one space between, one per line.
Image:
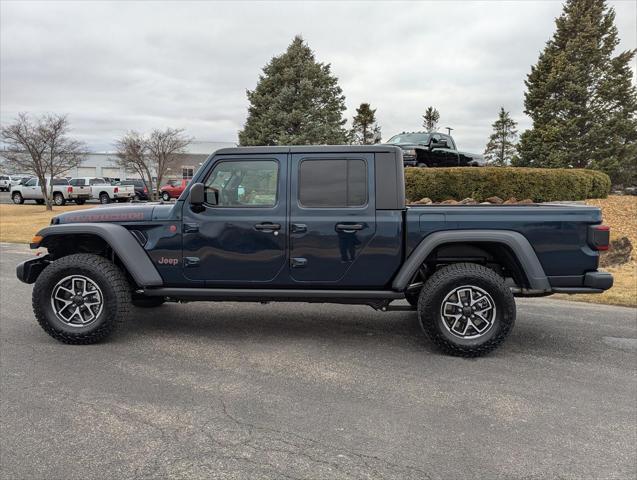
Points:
x=105 y=217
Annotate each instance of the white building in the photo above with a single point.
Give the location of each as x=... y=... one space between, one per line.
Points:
x=104 y=164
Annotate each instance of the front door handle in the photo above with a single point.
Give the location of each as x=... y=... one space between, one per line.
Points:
x=267 y=227
x=349 y=228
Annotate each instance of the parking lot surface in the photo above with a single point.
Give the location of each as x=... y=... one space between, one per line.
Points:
x=225 y=390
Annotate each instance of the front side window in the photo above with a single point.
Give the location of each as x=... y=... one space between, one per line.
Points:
x=31 y=183
x=332 y=183
x=243 y=183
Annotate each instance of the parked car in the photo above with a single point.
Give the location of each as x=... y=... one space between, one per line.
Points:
x=314 y=224
x=31 y=190
x=107 y=193
x=5 y=183
x=421 y=149
x=173 y=189
x=81 y=190
x=141 y=190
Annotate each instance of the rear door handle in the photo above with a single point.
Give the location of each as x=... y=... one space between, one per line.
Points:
x=344 y=227
x=267 y=227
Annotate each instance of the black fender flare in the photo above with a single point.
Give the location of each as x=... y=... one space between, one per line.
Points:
x=518 y=244
x=130 y=252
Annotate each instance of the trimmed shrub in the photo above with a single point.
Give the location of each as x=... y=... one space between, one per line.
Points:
x=480 y=183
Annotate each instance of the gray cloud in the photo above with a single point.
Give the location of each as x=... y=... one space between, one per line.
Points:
x=114 y=66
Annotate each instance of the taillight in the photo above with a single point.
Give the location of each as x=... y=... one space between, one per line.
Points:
x=145 y=190
x=599 y=236
x=69 y=189
x=116 y=190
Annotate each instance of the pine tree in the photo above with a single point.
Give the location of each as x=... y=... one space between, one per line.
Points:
x=502 y=147
x=296 y=101
x=581 y=98
x=430 y=119
x=365 y=130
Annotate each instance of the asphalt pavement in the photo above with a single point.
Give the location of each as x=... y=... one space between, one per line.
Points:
x=225 y=390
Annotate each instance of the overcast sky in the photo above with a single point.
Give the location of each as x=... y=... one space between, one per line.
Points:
x=115 y=66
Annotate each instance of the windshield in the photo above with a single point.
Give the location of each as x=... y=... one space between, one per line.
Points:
x=409 y=138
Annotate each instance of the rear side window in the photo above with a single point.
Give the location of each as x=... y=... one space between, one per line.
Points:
x=2 y=177
x=332 y=183
x=77 y=182
x=60 y=181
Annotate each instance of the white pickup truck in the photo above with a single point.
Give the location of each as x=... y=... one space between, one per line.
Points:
x=60 y=189
x=103 y=191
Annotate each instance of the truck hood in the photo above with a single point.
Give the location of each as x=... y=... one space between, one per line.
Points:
x=119 y=214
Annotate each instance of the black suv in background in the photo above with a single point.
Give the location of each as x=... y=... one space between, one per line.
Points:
x=141 y=190
x=422 y=149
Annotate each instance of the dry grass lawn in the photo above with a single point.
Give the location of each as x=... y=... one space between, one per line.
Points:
x=18 y=223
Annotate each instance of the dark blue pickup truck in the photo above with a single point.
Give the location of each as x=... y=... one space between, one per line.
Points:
x=313 y=224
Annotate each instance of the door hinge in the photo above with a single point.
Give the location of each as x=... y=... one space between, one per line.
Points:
x=298 y=262
x=191 y=261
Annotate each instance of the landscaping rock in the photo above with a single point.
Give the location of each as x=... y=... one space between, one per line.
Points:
x=449 y=202
x=495 y=200
x=468 y=201
x=526 y=201
x=618 y=253
x=424 y=201
x=510 y=201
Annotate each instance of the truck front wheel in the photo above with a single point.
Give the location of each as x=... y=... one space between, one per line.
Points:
x=466 y=309
x=81 y=298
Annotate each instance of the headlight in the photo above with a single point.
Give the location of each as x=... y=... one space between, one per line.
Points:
x=410 y=151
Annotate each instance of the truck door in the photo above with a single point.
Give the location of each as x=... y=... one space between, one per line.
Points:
x=332 y=217
x=239 y=237
x=32 y=190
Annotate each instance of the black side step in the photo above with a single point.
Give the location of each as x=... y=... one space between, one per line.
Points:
x=362 y=297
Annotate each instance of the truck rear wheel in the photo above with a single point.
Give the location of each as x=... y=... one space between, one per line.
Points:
x=466 y=309
x=81 y=298
x=58 y=199
x=104 y=198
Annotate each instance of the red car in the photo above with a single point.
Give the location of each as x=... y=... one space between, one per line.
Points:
x=173 y=189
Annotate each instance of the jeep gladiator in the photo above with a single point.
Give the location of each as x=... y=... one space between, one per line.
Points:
x=313 y=224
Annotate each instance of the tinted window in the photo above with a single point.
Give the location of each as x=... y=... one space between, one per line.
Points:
x=333 y=183
x=2 y=177
x=244 y=183
x=409 y=138
x=77 y=182
x=60 y=181
x=30 y=183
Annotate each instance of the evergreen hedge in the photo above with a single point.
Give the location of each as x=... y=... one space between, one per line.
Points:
x=480 y=183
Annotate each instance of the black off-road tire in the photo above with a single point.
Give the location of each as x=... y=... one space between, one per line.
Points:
x=141 y=301
x=444 y=281
x=109 y=278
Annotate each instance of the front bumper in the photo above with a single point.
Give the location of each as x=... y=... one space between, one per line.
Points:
x=29 y=270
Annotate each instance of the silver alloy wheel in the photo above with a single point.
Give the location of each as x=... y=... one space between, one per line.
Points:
x=77 y=300
x=58 y=199
x=468 y=312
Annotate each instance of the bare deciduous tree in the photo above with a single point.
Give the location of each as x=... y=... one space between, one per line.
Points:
x=152 y=154
x=42 y=146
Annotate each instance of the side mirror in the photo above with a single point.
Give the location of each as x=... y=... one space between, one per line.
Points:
x=197 y=194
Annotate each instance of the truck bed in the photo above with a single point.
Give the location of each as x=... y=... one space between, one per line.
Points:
x=557 y=232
